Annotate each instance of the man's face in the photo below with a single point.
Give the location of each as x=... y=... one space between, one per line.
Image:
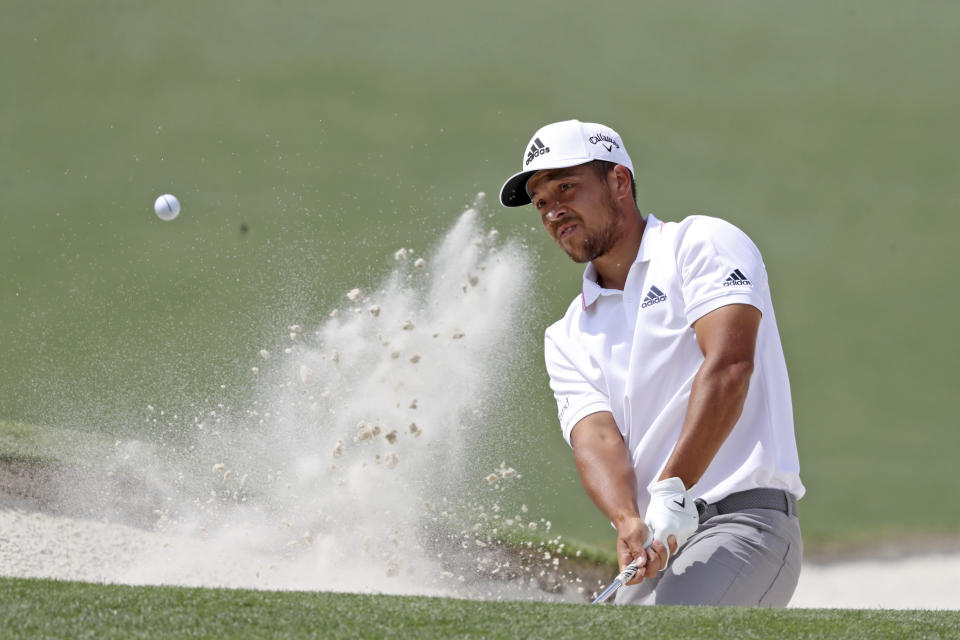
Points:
x=577 y=210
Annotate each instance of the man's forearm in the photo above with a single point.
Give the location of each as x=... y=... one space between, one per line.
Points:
x=716 y=401
x=727 y=337
x=605 y=467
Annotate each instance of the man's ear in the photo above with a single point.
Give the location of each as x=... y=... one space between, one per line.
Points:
x=623 y=185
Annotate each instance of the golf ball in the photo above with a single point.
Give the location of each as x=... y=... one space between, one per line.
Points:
x=167 y=207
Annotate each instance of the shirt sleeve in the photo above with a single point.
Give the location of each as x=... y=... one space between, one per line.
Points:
x=719 y=265
x=574 y=384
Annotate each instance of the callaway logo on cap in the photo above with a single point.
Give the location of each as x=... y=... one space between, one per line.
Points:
x=560 y=145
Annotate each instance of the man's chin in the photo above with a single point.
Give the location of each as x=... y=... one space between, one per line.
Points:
x=579 y=257
x=576 y=251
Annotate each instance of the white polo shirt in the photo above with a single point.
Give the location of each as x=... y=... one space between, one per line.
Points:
x=634 y=353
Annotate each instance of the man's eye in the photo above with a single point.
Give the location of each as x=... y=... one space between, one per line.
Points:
x=565 y=186
x=539 y=204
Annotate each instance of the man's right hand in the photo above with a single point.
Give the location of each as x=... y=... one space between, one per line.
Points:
x=635 y=542
x=632 y=535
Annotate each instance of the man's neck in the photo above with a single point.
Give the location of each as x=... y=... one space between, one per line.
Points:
x=613 y=267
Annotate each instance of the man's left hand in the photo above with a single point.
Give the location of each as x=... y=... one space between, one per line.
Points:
x=671 y=512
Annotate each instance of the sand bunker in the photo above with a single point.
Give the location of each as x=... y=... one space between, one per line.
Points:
x=34 y=544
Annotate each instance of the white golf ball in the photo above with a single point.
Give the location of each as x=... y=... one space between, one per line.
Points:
x=167 y=207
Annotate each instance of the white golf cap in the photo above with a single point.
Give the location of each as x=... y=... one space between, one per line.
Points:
x=560 y=145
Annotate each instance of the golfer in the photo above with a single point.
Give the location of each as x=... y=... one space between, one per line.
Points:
x=670 y=381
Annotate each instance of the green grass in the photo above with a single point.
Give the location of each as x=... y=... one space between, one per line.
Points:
x=48 y=609
x=339 y=132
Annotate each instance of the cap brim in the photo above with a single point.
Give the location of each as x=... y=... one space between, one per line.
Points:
x=513 y=193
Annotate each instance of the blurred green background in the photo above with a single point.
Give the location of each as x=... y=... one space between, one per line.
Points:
x=334 y=133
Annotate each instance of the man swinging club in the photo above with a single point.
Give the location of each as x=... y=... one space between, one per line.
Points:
x=670 y=381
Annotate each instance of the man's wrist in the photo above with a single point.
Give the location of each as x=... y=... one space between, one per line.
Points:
x=686 y=478
x=624 y=518
x=668 y=483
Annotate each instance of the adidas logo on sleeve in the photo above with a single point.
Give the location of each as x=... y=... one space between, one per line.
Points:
x=736 y=278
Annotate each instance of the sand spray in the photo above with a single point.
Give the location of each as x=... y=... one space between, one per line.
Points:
x=357 y=464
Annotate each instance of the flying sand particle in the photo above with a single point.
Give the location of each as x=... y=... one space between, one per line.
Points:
x=264 y=354
x=353 y=294
x=393 y=566
x=366 y=432
x=306 y=375
x=390 y=459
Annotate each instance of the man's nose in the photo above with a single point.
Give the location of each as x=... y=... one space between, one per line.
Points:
x=555 y=212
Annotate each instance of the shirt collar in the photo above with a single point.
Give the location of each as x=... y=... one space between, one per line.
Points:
x=591 y=290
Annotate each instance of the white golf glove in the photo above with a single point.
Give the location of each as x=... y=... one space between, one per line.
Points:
x=671 y=512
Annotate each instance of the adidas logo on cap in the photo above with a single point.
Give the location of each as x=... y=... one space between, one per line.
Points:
x=537 y=149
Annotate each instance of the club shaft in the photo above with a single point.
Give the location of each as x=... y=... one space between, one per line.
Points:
x=609 y=591
x=625 y=576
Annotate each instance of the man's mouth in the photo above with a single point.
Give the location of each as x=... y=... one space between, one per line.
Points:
x=566 y=230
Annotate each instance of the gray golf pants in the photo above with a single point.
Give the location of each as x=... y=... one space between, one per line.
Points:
x=747 y=558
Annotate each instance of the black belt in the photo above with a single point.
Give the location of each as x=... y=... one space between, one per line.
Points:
x=776 y=499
